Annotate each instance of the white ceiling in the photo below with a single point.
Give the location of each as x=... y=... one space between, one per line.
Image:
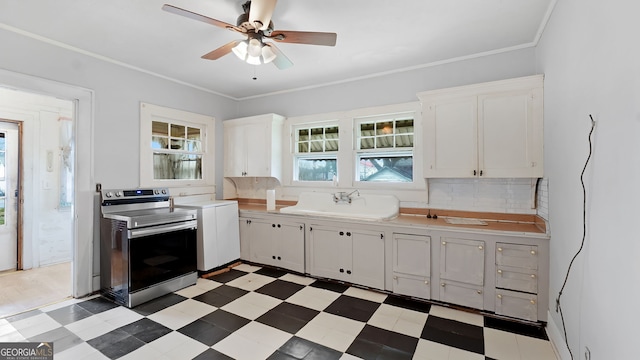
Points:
x=374 y=36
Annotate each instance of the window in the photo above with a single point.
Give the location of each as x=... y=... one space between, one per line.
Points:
x=177 y=151
x=176 y=147
x=385 y=149
x=316 y=149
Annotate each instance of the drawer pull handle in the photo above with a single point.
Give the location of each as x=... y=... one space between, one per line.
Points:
x=500 y=249
x=480 y=247
x=444 y=243
x=479 y=291
x=426 y=282
x=533 y=276
x=533 y=302
x=499 y=271
x=533 y=252
x=499 y=296
x=395 y=278
x=442 y=284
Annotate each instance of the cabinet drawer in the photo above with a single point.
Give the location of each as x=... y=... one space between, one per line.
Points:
x=517 y=279
x=518 y=305
x=412 y=285
x=515 y=255
x=462 y=294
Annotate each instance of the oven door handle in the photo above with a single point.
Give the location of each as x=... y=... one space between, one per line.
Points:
x=161 y=229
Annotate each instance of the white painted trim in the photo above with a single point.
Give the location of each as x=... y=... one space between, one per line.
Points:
x=545 y=21
x=557 y=340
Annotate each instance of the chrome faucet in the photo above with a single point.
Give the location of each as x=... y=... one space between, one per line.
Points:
x=344 y=197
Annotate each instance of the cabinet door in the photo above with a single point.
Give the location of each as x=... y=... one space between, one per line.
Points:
x=518 y=305
x=263 y=250
x=290 y=238
x=245 y=239
x=451 y=138
x=367 y=259
x=462 y=260
x=235 y=157
x=510 y=133
x=258 y=149
x=412 y=254
x=327 y=247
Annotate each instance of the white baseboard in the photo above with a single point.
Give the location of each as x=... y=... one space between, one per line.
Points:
x=557 y=339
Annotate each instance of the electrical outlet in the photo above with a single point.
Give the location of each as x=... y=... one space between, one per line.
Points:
x=587 y=353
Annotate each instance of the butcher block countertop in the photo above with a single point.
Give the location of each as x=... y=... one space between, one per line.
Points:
x=519 y=223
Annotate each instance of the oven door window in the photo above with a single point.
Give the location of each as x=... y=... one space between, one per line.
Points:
x=160 y=257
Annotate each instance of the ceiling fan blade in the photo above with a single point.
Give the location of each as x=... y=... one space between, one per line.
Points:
x=304 y=37
x=221 y=51
x=261 y=12
x=281 y=61
x=191 y=15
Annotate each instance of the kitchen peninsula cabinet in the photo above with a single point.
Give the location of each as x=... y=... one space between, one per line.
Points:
x=350 y=255
x=253 y=146
x=273 y=241
x=488 y=130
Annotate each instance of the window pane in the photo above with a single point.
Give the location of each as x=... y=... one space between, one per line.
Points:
x=2 y=207
x=386 y=168
x=331 y=145
x=317 y=134
x=177 y=166
x=159 y=128
x=384 y=128
x=316 y=146
x=178 y=131
x=366 y=129
x=404 y=126
x=158 y=142
x=384 y=142
x=193 y=133
x=303 y=134
x=404 y=141
x=193 y=145
x=177 y=144
x=303 y=147
x=316 y=169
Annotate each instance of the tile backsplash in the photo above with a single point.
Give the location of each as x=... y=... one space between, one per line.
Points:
x=490 y=195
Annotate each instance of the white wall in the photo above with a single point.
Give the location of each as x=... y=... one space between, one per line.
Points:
x=393 y=88
x=590 y=56
x=117 y=93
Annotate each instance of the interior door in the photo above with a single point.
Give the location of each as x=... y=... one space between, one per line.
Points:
x=9 y=146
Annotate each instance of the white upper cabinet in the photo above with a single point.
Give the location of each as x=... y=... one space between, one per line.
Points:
x=253 y=146
x=491 y=130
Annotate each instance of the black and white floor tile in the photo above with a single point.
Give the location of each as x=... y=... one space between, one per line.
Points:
x=260 y=313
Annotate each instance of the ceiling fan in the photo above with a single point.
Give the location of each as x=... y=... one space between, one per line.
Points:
x=255 y=23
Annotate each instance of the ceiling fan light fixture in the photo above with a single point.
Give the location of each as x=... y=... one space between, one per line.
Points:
x=253 y=60
x=267 y=54
x=241 y=50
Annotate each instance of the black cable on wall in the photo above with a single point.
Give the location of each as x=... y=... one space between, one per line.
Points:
x=584 y=235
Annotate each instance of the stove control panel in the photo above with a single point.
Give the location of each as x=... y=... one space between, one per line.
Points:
x=135 y=193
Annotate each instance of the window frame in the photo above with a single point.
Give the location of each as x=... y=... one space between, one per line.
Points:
x=206 y=124
x=392 y=113
x=320 y=155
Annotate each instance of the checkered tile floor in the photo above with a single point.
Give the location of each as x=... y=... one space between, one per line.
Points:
x=260 y=313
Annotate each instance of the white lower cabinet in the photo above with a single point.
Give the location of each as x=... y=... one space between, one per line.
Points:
x=412 y=265
x=274 y=242
x=462 y=271
x=517 y=281
x=354 y=256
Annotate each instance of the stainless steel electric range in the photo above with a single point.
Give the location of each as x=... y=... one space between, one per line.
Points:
x=148 y=248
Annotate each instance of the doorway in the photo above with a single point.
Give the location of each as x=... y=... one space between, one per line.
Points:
x=37 y=154
x=10 y=169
